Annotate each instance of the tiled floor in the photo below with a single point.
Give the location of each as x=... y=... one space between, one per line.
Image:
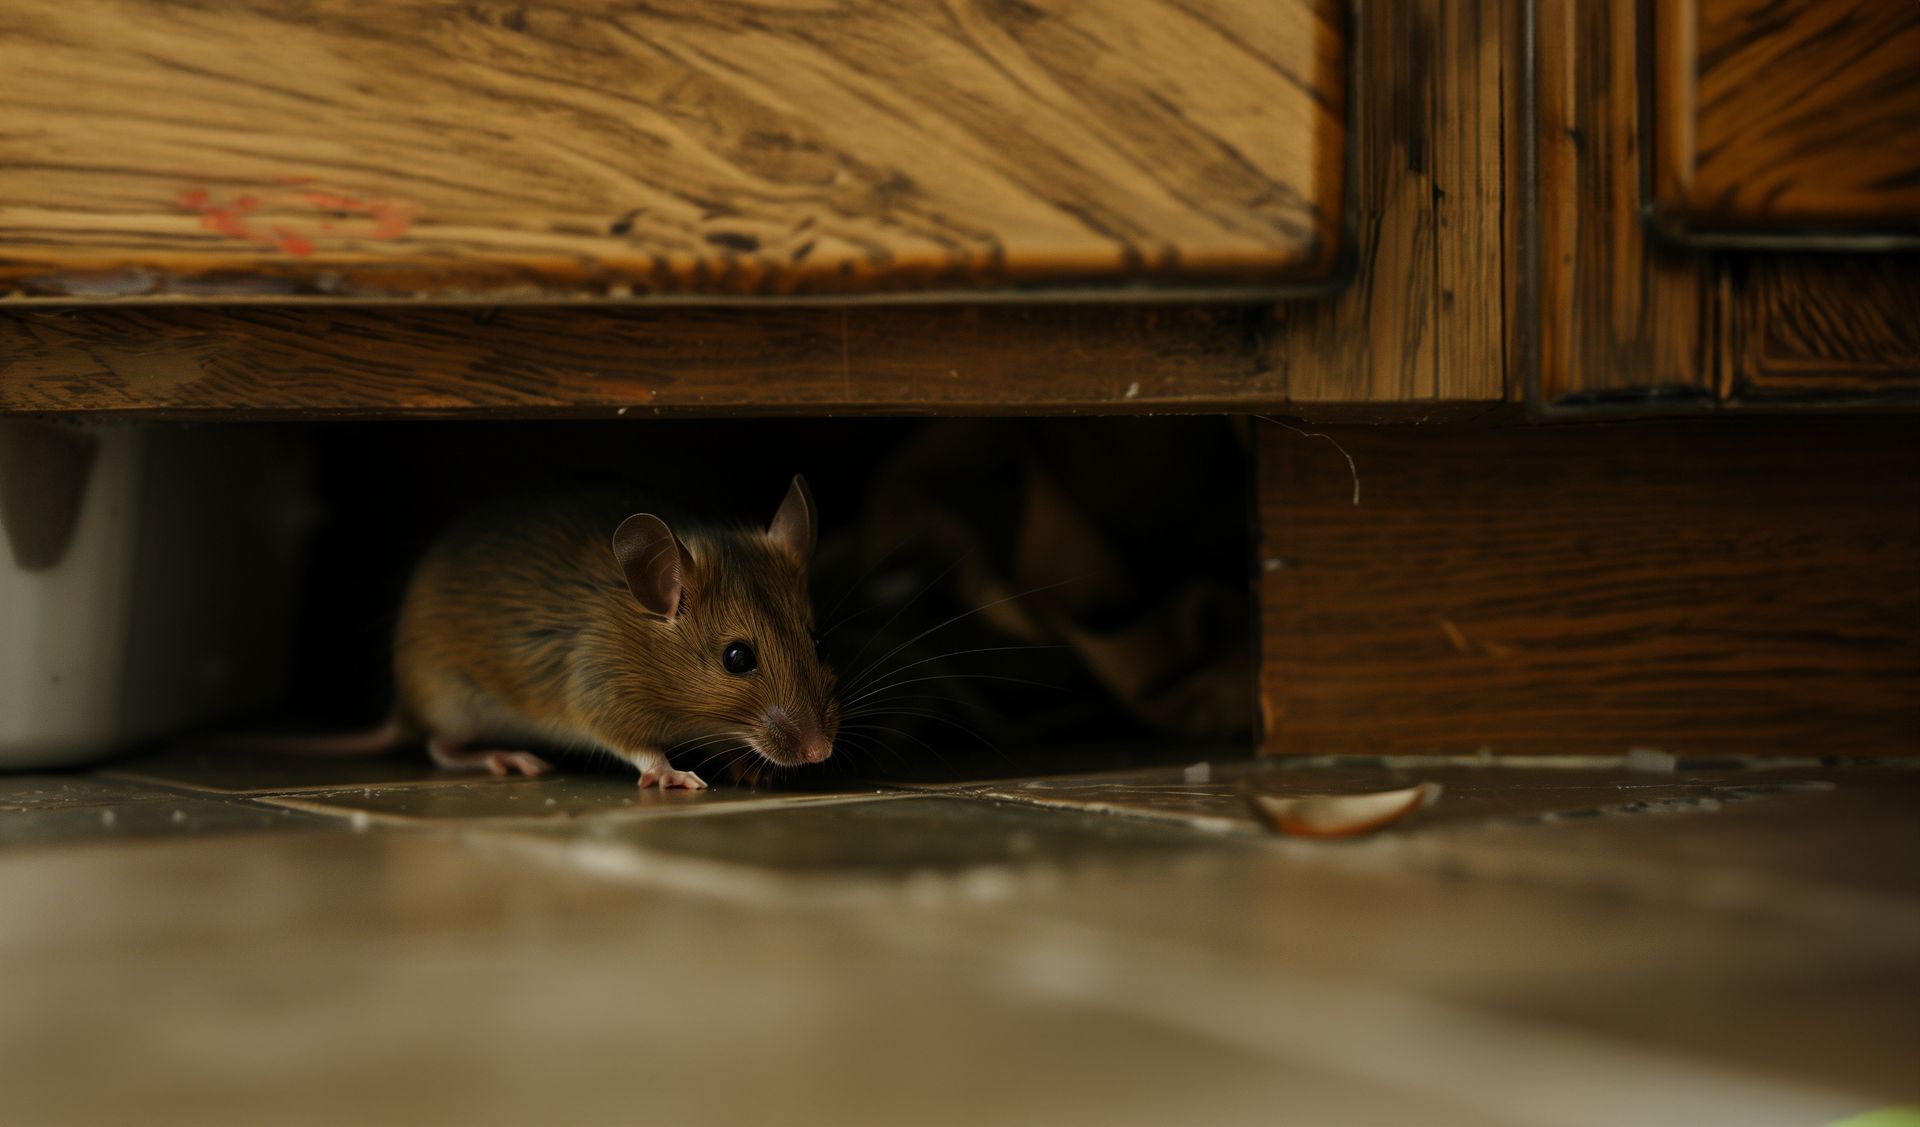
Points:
x=203 y=940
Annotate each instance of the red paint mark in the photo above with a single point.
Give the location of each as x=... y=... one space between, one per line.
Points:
x=293 y=242
x=389 y=220
x=225 y=222
x=329 y=201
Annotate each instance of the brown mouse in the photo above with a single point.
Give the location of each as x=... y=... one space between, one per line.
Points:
x=574 y=623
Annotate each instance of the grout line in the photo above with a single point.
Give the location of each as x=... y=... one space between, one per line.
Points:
x=608 y=815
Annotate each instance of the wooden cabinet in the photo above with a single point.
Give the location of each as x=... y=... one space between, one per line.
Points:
x=1786 y=117
x=520 y=152
x=1425 y=210
x=1432 y=211
x=1656 y=315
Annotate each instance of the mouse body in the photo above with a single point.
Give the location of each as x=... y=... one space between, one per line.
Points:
x=574 y=622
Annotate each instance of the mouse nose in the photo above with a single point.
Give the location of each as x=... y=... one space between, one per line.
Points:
x=807 y=743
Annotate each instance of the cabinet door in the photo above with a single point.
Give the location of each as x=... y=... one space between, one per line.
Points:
x=1787 y=117
x=571 y=148
x=1670 y=267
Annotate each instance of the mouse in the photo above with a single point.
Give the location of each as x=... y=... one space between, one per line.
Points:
x=575 y=622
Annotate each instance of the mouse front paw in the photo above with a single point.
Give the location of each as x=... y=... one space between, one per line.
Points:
x=664 y=777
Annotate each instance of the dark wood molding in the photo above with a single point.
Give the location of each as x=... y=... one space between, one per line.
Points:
x=1709 y=586
x=264 y=361
x=1821 y=327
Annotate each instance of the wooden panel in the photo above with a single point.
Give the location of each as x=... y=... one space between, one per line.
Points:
x=1785 y=114
x=1710 y=586
x=564 y=148
x=1425 y=316
x=1617 y=313
x=300 y=361
x=1839 y=325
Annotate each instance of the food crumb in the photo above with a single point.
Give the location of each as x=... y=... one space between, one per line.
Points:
x=1197 y=773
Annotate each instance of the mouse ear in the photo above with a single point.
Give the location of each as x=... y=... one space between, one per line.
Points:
x=654 y=563
x=795 y=525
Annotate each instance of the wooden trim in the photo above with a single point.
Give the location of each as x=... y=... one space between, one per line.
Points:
x=1703 y=587
x=288 y=362
x=1424 y=319
x=1621 y=317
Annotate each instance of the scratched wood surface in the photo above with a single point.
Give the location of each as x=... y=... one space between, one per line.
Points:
x=1425 y=317
x=564 y=148
x=1776 y=115
x=1842 y=325
x=1620 y=315
x=303 y=361
x=1707 y=586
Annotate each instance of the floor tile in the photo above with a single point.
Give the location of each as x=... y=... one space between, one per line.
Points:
x=179 y=816
x=414 y=978
x=557 y=797
x=1213 y=796
x=1854 y=838
x=238 y=772
x=49 y=792
x=1041 y=951
x=897 y=836
x=1203 y=795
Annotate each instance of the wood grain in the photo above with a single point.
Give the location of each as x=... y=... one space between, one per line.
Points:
x=567 y=148
x=1425 y=316
x=1710 y=586
x=1822 y=326
x=1780 y=115
x=300 y=361
x=1619 y=315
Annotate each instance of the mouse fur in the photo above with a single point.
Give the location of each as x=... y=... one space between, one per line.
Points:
x=576 y=622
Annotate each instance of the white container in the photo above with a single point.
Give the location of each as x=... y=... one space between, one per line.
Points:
x=148 y=579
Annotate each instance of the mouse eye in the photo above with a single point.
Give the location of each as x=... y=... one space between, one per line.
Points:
x=738 y=658
x=815 y=635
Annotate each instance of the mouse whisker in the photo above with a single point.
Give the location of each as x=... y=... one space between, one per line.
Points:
x=869 y=747
x=931 y=584
x=855 y=586
x=724 y=743
x=929 y=714
x=930 y=699
x=909 y=736
x=965 y=653
x=956 y=618
x=902 y=732
x=847 y=704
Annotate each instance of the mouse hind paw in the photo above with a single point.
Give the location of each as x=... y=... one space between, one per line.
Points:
x=497 y=761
